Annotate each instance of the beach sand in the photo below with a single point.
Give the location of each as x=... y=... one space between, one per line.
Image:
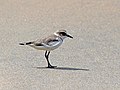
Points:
x=89 y=61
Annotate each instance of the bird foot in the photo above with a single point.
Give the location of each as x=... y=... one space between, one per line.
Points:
x=50 y=66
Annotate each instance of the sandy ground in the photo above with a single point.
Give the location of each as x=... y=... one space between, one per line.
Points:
x=90 y=61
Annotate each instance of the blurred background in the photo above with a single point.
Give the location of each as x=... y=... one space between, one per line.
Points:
x=95 y=49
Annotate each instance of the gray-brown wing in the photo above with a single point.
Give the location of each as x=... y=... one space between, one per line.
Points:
x=48 y=41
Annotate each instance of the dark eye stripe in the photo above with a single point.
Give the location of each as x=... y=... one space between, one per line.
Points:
x=63 y=33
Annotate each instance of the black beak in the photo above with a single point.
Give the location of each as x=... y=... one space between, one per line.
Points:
x=69 y=36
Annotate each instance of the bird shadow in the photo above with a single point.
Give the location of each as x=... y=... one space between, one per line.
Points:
x=63 y=68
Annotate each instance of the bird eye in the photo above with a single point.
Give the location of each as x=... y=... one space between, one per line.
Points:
x=62 y=33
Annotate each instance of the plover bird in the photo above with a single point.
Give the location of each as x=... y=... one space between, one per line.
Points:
x=49 y=43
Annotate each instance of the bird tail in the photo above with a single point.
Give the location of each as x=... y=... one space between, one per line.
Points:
x=26 y=43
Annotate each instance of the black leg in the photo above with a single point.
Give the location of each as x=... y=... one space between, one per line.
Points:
x=47 y=56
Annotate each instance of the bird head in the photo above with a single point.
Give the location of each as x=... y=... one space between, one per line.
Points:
x=63 y=34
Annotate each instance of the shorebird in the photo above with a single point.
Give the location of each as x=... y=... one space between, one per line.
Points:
x=49 y=43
